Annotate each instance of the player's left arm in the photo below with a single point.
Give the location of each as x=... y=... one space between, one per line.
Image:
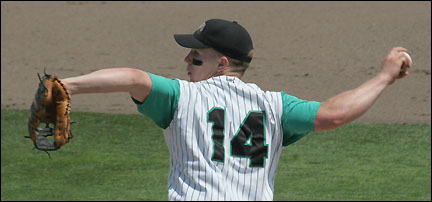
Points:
x=352 y=104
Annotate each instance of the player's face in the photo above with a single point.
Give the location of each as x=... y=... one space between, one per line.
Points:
x=201 y=64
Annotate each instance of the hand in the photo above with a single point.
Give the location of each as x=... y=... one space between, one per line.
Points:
x=392 y=65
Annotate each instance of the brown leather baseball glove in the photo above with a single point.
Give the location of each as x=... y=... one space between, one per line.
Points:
x=51 y=105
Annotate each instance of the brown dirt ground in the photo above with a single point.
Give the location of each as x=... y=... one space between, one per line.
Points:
x=312 y=50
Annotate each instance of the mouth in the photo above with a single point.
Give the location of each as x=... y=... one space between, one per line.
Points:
x=188 y=70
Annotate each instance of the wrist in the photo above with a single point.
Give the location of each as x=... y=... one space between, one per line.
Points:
x=67 y=85
x=386 y=78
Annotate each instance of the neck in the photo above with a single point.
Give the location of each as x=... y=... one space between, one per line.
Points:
x=227 y=72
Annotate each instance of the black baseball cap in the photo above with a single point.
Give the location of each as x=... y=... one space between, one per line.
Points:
x=228 y=38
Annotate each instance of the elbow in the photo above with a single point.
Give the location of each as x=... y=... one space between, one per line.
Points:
x=339 y=118
x=330 y=119
x=140 y=84
x=134 y=77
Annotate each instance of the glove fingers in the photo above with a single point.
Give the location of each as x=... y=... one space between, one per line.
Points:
x=33 y=124
x=51 y=105
x=45 y=132
x=42 y=143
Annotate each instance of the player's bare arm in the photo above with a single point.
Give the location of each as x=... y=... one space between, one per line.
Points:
x=136 y=82
x=352 y=104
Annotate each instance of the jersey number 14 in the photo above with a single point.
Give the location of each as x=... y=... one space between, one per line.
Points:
x=248 y=142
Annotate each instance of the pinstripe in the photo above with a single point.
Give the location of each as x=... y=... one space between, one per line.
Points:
x=177 y=165
x=172 y=183
x=174 y=164
x=211 y=194
x=209 y=132
x=199 y=140
x=190 y=155
x=244 y=170
x=193 y=175
x=277 y=139
x=185 y=133
x=258 y=190
x=236 y=121
x=184 y=136
x=231 y=101
x=252 y=182
x=244 y=175
x=192 y=148
x=223 y=166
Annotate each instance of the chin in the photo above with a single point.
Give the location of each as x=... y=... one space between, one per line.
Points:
x=195 y=78
x=191 y=79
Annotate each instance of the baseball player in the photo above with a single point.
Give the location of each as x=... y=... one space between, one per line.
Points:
x=225 y=136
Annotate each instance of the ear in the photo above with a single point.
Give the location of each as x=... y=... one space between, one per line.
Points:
x=223 y=64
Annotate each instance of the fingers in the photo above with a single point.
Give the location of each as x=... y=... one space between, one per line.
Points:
x=402 y=74
x=404 y=61
x=399 y=49
x=396 y=63
x=407 y=57
x=402 y=55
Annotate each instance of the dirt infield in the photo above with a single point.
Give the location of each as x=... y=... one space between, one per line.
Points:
x=312 y=50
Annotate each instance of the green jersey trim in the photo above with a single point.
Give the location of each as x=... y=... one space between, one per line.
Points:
x=161 y=104
x=298 y=118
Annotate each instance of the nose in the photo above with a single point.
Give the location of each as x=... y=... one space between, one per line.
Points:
x=188 y=59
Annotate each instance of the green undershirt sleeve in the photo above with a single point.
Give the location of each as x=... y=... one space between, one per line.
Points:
x=161 y=104
x=297 y=118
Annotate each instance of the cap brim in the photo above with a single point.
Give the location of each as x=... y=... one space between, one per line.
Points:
x=189 y=41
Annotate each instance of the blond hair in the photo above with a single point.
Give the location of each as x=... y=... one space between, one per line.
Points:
x=237 y=66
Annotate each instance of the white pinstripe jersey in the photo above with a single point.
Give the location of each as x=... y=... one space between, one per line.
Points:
x=225 y=136
x=192 y=141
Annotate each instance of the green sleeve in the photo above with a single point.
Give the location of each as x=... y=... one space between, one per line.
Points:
x=161 y=104
x=297 y=118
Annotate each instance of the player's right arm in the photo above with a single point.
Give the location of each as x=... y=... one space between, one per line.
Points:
x=136 y=82
x=350 y=105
